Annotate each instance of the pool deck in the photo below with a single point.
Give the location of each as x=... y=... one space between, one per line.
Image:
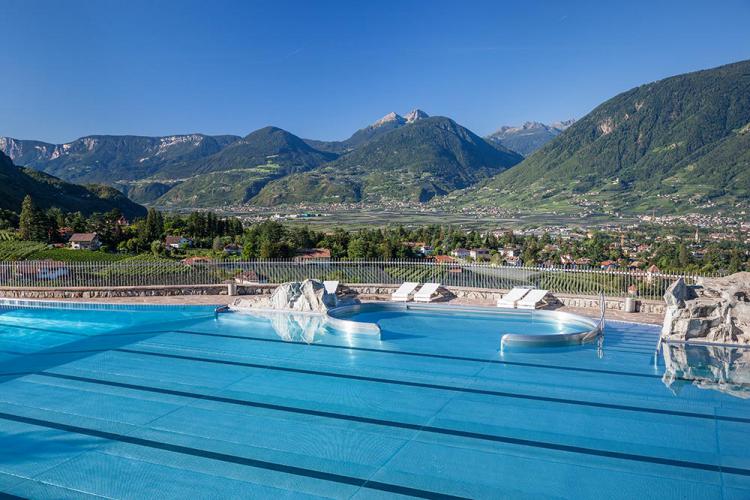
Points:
x=653 y=319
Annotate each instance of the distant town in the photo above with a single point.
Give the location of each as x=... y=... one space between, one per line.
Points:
x=693 y=243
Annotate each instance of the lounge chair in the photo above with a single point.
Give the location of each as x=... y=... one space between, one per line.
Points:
x=533 y=299
x=404 y=292
x=427 y=293
x=511 y=298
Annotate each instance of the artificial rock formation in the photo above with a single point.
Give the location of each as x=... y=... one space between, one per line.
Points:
x=714 y=310
x=307 y=296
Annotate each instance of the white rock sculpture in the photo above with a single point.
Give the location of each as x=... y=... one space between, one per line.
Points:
x=307 y=296
x=714 y=310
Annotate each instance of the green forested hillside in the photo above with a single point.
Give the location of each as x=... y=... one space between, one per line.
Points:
x=416 y=162
x=239 y=171
x=673 y=145
x=48 y=191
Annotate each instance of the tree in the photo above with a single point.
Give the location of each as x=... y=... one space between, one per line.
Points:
x=77 y=222
x=153 y=228
x=735 y=262
x=357 y=249
x=32 y=226
x=683 y=256
x=157 y=248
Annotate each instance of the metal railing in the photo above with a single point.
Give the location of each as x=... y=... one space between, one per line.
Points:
x=612 y=283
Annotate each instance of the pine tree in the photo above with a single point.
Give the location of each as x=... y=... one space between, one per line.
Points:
x=153 y=228
x=32 y=224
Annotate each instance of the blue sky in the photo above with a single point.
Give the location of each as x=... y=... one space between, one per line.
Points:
x=322 y=69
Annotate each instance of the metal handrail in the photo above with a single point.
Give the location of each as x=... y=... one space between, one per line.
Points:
x=602 y=310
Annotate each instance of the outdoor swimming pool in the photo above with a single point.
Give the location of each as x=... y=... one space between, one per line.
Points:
x=181 y=403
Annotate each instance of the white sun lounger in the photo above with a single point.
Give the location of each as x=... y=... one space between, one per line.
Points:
x=404 y=292
x=511 y=298
x=427 y=293
x=533 y=299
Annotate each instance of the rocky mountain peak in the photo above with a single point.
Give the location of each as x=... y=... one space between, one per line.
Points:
x=563 y=124
x=533 y=125
x=414 y=115
x=389 y=118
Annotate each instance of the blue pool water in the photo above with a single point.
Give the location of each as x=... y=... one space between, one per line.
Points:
x=180 y=403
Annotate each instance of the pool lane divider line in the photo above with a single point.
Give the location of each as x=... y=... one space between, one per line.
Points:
x=468 y=390
x=424 y=385
x=225 y=457
x=8 y=496
x=328 y=476
x=423 y=428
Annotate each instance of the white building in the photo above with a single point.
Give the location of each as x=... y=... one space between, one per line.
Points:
x=461 y=253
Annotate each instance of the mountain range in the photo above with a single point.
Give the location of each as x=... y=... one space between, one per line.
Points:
x=412 y=157
x=529 y=137
x=678 y=144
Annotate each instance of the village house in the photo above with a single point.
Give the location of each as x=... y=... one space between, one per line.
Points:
x=313 y=254
x=44 y=270
x=444 y=259
x=199 y=259
x=419 y=247
x=84 y=241
x=513 y=261
x=177 y=242
x=479 y=253
x=643 y=248
x=461 y=253
x=426 y=250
